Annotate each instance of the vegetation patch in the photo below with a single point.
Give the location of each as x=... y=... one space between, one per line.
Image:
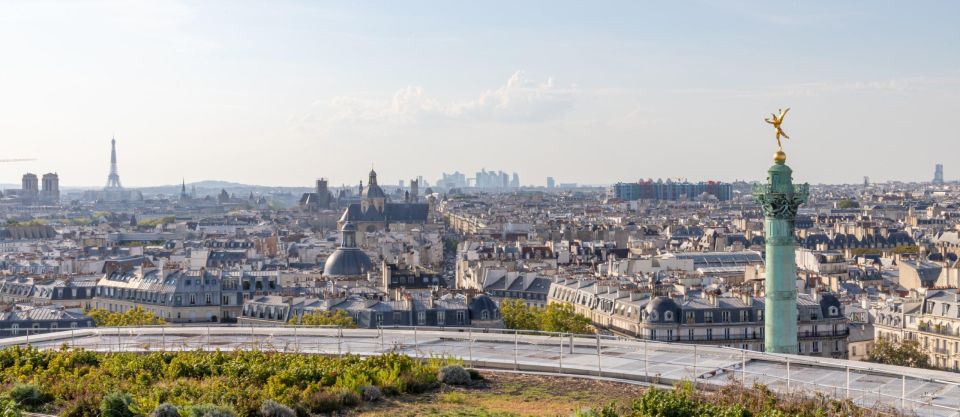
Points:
x=77 y=383
x=136 y=316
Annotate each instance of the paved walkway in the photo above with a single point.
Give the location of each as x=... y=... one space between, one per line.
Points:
x=923 y=392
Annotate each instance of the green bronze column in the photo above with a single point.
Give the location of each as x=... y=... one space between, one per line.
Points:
x=780 y=199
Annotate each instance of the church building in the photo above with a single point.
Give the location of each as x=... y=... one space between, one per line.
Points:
x=375 y=212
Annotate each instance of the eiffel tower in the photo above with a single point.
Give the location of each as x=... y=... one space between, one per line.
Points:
x=113 y=180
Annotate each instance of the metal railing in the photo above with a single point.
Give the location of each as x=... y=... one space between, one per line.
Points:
x=923 y=392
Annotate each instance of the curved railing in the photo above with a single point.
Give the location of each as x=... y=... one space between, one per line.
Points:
x=923 y=392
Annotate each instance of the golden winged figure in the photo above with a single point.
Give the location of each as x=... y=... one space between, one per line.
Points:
x=776 y=121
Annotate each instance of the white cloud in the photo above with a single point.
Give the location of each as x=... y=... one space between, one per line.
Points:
x=520 y=100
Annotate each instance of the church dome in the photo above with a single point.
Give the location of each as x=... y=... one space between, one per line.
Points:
x=372 y=190
x=348 y=260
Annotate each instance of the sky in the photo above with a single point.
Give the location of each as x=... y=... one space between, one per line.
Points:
x=283 y=92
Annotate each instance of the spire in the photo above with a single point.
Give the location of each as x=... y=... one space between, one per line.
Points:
x=373 y=178
x=113 y=180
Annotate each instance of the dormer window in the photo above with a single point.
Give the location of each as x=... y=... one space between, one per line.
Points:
x=834 y=311
x=654 y=316
x=668 y=316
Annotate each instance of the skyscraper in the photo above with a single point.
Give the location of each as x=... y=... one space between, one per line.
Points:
x=938 y=174
x=780 y=198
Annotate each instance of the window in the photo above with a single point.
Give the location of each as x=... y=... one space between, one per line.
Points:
x=668 y=316
x=193 y=299
x=708 y=317
x=689 y=317
x=461 y=318
x=725 y=315
x=421 y=318
x=816 y=346
x=690 y=334
x=834 y=311
x=709 y=334
x=209 y=299
x=654 y=316
x=441 y=318
x=743 y=315
x=726 y=333
x=484 y=315
x=759 y=316
x=379 y=319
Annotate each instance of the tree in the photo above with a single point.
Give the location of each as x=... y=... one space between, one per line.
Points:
x=892 y=352
x=326 y=318
x=136 y=316
x=516 y=315
x=562 y=318
x=847 y=204
x=552 y=318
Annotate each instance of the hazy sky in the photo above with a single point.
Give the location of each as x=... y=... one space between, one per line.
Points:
x=281 y=92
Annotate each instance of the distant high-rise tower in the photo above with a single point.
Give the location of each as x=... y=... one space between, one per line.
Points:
x=113 y=180
x=866 y=182
x=550 y=182
x=51 y=188
x=938 y=174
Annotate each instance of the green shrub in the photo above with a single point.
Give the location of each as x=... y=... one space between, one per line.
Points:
x=118 y=404
x=28 y=396
x=321 y=401
x=419 y=380
x=86 y=404
x=9 y=408
x=371 y=393
x=165 y=410
x=454 y=375
x=271 y=408
x=348 y=398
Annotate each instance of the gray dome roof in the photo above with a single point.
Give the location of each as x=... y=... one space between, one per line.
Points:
x=347 y=262
x=481 y=303
x=373 y=191
x=828 y=300
x=661 y=305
